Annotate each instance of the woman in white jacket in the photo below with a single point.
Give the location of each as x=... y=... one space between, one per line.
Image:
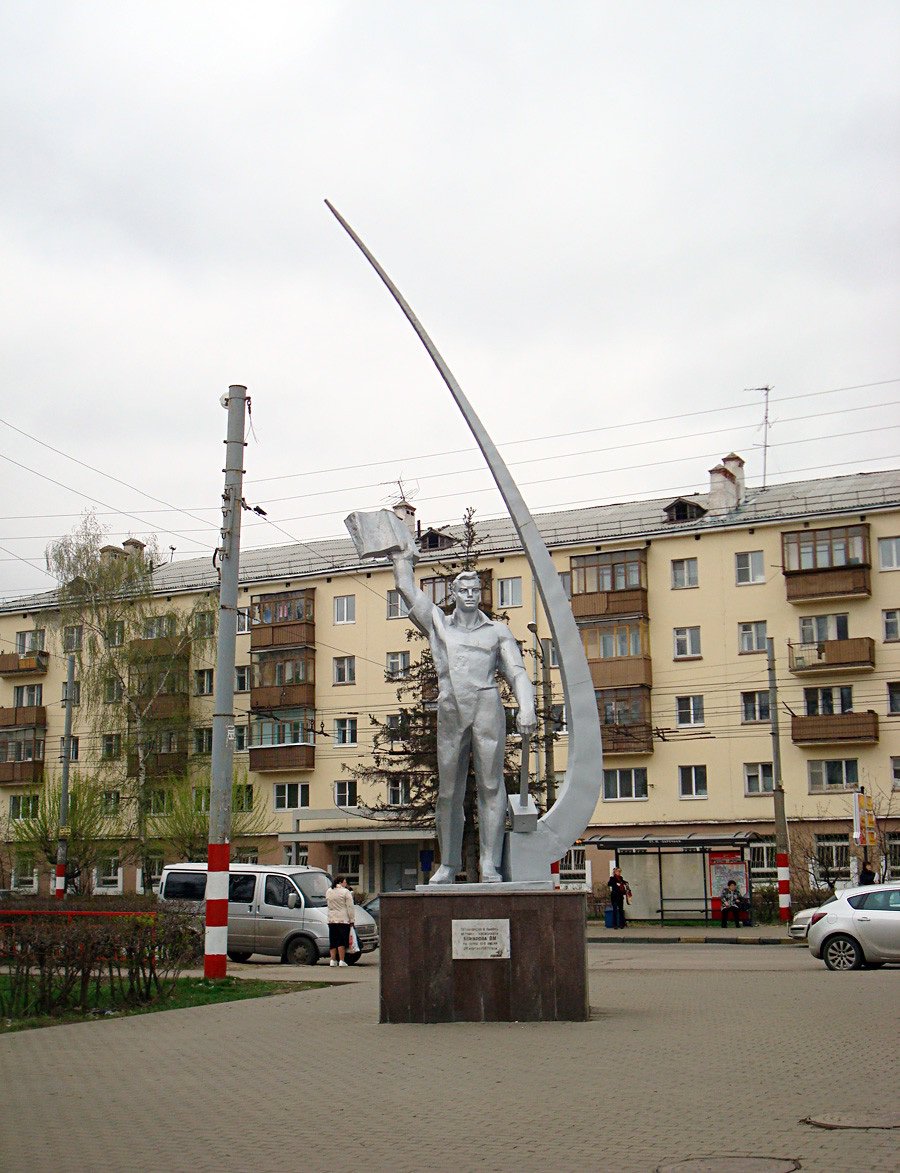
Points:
x=339 y=899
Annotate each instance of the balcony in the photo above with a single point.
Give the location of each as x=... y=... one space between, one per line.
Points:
x=161 y=647
x=621 y=739
x=269 y=698
x=283 y=757
x=601 y=604
x=621 y=672
x=299 y=634
x=838 y=582
x=835 y=728
x=833 y=655
x=22 y=773
x=24 y=664
x=160 y=765
x=27 y=716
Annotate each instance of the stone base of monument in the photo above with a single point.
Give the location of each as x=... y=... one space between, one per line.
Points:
x=451 y=955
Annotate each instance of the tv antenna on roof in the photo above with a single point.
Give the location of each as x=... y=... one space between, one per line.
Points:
x=765 y=444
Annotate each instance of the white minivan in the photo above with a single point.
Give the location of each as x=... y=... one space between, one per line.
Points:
x=278 y=910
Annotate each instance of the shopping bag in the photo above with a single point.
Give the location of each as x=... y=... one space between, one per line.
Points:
x=353 y=947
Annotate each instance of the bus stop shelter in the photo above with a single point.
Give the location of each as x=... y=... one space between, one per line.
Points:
x=679 y=877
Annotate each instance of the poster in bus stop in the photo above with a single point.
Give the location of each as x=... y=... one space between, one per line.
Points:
x=725 y=866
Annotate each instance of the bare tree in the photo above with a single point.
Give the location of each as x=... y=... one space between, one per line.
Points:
x=179 y=821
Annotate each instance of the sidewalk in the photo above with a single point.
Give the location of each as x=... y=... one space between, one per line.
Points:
x=712 y=933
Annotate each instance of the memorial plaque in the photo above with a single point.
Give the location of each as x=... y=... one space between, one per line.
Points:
x=475 y=940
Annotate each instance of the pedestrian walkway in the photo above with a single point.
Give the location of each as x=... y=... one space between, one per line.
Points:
x=711 y=933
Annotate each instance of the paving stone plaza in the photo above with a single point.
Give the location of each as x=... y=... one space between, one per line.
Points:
x=694 y=1050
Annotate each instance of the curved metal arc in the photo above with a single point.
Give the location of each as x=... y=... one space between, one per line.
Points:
x=573 y=810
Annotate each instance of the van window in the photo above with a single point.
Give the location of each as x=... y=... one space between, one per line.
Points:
x=313 y=885
x=241 y=888
x=185 y=886
x=277 y=889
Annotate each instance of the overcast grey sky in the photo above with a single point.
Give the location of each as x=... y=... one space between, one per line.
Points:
x=613 y=219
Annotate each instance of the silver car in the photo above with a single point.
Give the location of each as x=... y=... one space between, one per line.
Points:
x=860 y=927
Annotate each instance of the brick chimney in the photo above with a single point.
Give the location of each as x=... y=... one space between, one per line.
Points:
x=723 y=491
x=407 y=514
x=133 y=547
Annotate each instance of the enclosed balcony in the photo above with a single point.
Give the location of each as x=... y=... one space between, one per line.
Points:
x=609 y=584
x=24 y=664
x=285 y=741
x=832 y=655
x=24 y=716
x=22 y=746
x=283 y=757
x=283 y=680
x=622 y=739
x=618 y=653
x=285 y=620
x=24 y=773
x=625 y=720
x=160 y=765
x=826 y=563
x=835 y=728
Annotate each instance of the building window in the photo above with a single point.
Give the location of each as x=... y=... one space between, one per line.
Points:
x=203 y=740
x=242 y=799
x=752 y=636
x=825 y=702
x=204 y=624
x=758 y=778
x=73 y=749
x=610 y=641
x=345 y=792
x=115 y=633
x=396 y=605
x=242 y=678
x=161 y=801
x=892 y=843
x=832 y=774
x=291 y=796
x=243 y=620
x=620 y=570
x=200 y=798
x=28 y=695
x=685 y=574
x=240 y=738
x=344 y=669
x=692 y=781
x=894 y=696
x=108 y=870
x=109 y=803
x=72 y=637
x=763 y=867
x=889 y=553
x=30 y=641
x=159 y=626
x=203 y=682
x=76 y=693
x=290 y=730
x=23 y=873
x=749 y=568
x=20 y=745
x=280 y=670
x=832 y=858
x=345 y=608
x=815 y=629
x=167 y=741
x=348 y=864
x=398 y=792
x=624 y=784
x=345 y=731
x=397 y=665
x=113 y=690
x=397 y=726
x=689 y=710
x=822 y=549
x=687 y=642
x=23 y=806
x=754 y=706
x=111 y=746
x=895 y=773
x=565 y=578
x=510 y=592
x=891 y=625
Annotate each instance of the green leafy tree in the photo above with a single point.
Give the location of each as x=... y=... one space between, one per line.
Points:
x=133 y=657
x=180 y=819
x=93 y=820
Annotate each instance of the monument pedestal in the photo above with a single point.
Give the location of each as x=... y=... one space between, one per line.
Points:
x=449 y=955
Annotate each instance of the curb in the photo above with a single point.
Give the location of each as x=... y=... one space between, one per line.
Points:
x=692 y=940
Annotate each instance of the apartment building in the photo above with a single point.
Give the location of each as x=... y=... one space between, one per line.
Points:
x=676 y=600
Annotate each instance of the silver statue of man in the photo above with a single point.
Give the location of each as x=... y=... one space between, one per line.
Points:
x=468 y=650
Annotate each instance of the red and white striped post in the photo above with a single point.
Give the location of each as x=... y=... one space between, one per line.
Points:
x=783 y=867
x=215 y=951
x=62 y=846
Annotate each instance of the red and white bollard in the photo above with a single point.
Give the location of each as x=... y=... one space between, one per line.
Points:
x=782 y=864
x=215 y=948
x=60 y=881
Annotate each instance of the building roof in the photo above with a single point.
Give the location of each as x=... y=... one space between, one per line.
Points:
x=614 y=523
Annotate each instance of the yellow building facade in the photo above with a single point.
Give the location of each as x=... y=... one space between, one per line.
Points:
x=676 y=601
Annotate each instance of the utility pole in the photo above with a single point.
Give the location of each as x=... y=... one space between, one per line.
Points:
x=216 y=939
x=782 y=840
x=62 y=847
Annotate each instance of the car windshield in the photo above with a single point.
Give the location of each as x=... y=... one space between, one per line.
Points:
x=313 y=885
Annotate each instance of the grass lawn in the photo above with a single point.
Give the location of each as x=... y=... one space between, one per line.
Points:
x=188 y=991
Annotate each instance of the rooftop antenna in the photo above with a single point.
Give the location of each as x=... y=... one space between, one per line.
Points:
x=765 y=445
